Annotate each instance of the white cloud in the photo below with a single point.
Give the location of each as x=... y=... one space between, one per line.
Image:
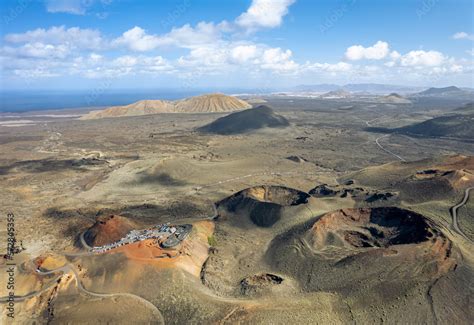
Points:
x=189 y=37
x=122 y=66
x=243 y=53
x=136 y=39
x=264 y=13
x=207 y=49
x=73 y=37
x=463 y=35
x=95 y=58
x=422 y=58
x=328 y=67
x=394 y=55
x=37 y=50
x=224 y=56
x=125 y=61
x=206 y=58
x=278 y=60
x=377 y=51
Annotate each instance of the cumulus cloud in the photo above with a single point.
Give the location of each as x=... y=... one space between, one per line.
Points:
x=37 y=50
x=278 y=60
x=73 y=37
x=264 y=13
x=121 y=66
x=189 y=37
x=225 y=56
x=422 y=58
x=377 y=51
x=136 y=39
x=243 y=53
x=463 y=35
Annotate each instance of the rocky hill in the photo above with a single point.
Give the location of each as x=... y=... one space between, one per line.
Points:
x=335 y=94
x=394 y=98
x=211 y=103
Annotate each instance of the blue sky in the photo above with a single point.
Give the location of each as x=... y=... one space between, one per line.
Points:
x=69 y=44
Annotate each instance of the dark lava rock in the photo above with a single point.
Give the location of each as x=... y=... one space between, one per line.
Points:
x=379 y=197
x=322 y=190
x=297 y=159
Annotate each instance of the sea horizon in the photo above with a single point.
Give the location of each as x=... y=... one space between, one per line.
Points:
x=20 y=101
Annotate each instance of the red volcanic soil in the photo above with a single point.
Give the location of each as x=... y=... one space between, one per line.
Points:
x=108 y=229
x=188 y=256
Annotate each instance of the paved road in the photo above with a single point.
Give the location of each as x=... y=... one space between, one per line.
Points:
x=454 y=213
x=386 y=150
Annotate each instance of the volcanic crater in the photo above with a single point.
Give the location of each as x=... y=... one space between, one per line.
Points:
x=373 y=245
x=371 y=227
x=259 y=283
x=264 y=204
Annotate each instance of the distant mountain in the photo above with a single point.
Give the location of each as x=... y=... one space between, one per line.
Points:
x=380 y=88
x=458 y=126
x=316 y=88
x=394 y=98
x=440 y=91
x=367 y=88
x=336 y=94
x=246 y=121
x=212 y=103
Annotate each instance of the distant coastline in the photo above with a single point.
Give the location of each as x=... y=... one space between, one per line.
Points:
x=26 y=101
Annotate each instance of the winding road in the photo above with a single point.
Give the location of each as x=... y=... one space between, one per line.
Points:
x=68 y=268
x=454 y=213
x=386 y=150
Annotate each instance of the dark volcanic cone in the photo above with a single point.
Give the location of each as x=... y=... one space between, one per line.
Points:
x=264 y=204
x=246 y=121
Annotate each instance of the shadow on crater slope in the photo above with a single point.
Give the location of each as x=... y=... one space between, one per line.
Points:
x=263 y=204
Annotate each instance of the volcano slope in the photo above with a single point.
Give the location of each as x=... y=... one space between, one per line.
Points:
x=246 y=121
x=245 y=223
x=382 y=260
x=108 y=229
x=265 y=205
x=420 y=181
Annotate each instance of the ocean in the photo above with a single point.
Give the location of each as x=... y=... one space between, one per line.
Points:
x=24 y=101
